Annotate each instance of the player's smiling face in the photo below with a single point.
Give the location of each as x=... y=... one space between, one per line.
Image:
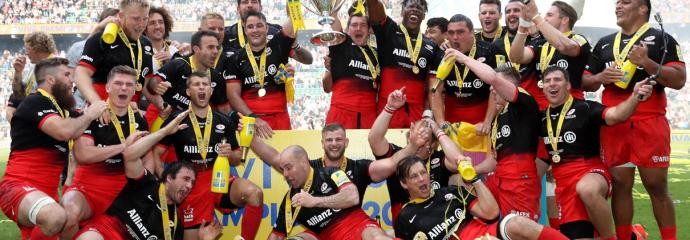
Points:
x=417 y=182
x=488 y=17
x=256 y=30
x=358 y=29
x=179 y=187
x=556 y=88
x=248 y=5
x=513 y=11
x=413 y=14
x=199 y=91
x=120 y=89
x=134 y=19
x=553 y=17
x=214 y=25
x=334 y=144
x=155 y=29
x=627 y=11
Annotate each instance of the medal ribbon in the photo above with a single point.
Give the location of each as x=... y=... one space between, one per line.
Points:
x=618 y=56
x=373 y=69
x=295 y=13
x=549 y=129
x=64 y=114
x=506 y=45
x=220 y=52
x=139 y=55
x=499 y=31
x=289 y=217
x=413 y=53
x=259 y=72
x=547 y=52
x=201 y=141
x=164 y=213
x=343 y=163
x=461 y=79
x=194 y=68
x=116 y=122
x=240 y=33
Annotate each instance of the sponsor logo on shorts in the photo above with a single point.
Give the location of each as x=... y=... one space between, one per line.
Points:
x=660 y=159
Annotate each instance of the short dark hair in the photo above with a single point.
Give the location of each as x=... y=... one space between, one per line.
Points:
x=424 y=4
x=197 y=36
x=122 y=69
x=553 y=69
x=565 y=10
x=238 y=2
x=47 y=67
x=332 y=127
x=174 y=168
x=403 y=169
x=198 y=74
x=167 y=19
x=495 y=2
x=509 y=72
x=107 y=13
x=462 y=18
x=440 y=22
x=253 y=14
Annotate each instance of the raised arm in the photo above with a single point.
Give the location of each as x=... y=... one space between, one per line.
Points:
x=503 y=87
x=265 y=152
x=381 y=169
x=555 y=37
x=377 y=12
x=347 y=196
x=377 y=135
x=486 y=207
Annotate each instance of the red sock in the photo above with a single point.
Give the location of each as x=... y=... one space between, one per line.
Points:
x=624 y=232
x=668 y=233
x=548 y=233
x=251 y=221
x=554 y=223
x=36 y=233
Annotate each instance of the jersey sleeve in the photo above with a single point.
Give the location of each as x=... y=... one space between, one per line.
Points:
x=89 y=132
x=231 y=127
x=675 y=53
x=279 y=226
x=339 y=178
x=392 y=149
x=285 y=43
x=169 y=70
x=383 y=30
x=524 y=100
x=143 y=180
x=585 y=47
x=436 y=60
x=596 y=113
x=36 y=109
x=93 y=53
x=363 y=170
x=142 y=125
x=594 y=63
x=402 y=226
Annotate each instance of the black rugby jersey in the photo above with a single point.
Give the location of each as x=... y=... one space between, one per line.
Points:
x=438 y=174
x=231 y=43
x=356 y=170
x=574 y=65
x=25 y=126
x=474 y=90
x=101 y=57
x=176 y=72
x=347 y=61
x=517 y=131
x=185 y=144
x=138 y=209
x=526 y=70
x=326 y=182
x=480 y=37
x=580 y=132
x=106 y=135
x=436 y=216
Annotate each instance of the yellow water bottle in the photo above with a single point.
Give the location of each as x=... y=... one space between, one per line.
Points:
x=444 y=68
x=246 y=135
x=467 y=171
x=628 y=70
x=221 y=174
x=110 y=33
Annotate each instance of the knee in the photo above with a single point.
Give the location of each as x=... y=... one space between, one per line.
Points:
x=51 y=219
x=622 y=184
x=587 y=191
x=518 y=227
x=72 y=212
x=656 y=188
x=254 y=195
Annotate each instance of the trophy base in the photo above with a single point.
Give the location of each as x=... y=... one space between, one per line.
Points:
x=327 y=38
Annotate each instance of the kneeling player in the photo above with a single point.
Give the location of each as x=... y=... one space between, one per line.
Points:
x=454 y=212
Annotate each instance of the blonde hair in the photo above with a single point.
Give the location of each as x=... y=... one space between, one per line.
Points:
x=211 y=15
x=136 y=3
x=40 y=42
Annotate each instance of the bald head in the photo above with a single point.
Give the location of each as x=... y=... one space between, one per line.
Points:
x=295 y=152
x=294 y=164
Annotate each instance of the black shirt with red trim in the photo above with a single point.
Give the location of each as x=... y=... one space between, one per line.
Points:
x=25 y=126
x=101 y=57
x=518 y=127
x=106 y=135
x=356 y=170
x=574 y=65
x=231 y=43
x=326 y=182
x=353 y=85
x=579 y=136
x=138 y=209
x=602 y=57
x=185 y=144
x=474 y=90
x=480 y=37
x=436 y=216
x=392 y=50
x=176 y=72
x=438 y=174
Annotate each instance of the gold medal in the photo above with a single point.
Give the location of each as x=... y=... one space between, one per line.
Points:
x=139 y=87
x=556 y=158
x=262 y=92
x=415 y=69
x=540 y=84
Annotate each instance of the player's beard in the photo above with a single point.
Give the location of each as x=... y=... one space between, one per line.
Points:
x=336 y=155
x=63 y=95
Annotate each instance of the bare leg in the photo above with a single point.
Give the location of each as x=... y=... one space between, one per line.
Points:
x=592 y=190
x=50 y=219
x=77 y=209
x=655 y=180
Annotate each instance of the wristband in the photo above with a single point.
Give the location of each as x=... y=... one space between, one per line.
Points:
x=389 y=109
x=475 y=180
x=440 y=134
x=535 y=16
x=253 y=115
x=525 y=23
x=297 y=47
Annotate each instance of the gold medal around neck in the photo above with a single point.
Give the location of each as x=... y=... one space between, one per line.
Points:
x=262 y=92
x=540 y=84
x=139 y=87
x=415 y=69
x=556 y=158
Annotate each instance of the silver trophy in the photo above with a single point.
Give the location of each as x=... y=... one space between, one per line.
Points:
x=324 y=9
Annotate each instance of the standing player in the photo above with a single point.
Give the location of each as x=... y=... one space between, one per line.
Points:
x=503 y=45
x=38 y=46
x=489 y=16
x=558 y=47
x=99 y=177
x=40 y=130
x=463 y=97
x=158 y=31
x=644 y=140
x=456 y=213
x=570 y=129
x=353 y=76
x=200 y=144
x=129 y=49
x=250 y=74
x=436 y=29
x=146 y=208
x=407 y=58
x=514 y=137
